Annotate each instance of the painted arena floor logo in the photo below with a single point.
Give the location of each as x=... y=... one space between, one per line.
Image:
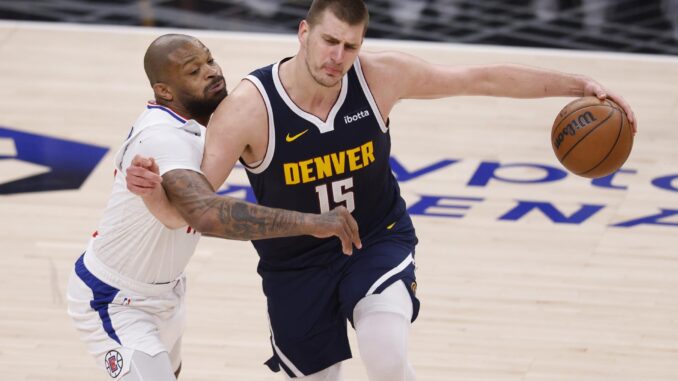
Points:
x=38 y=163
x=551 y=206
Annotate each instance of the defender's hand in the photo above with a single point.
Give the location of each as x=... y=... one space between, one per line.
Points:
x=595 y=89
x=338 y=222
x=142 y=176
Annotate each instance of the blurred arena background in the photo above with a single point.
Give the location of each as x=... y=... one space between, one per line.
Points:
x=639 y=26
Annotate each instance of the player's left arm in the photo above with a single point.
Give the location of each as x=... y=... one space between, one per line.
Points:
x=227 y=217
x=403 y=76
x=144 y=180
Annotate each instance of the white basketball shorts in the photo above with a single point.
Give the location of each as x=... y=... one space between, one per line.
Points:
x=115 y=322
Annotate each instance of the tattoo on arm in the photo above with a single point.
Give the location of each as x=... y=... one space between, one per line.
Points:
x=227 y=217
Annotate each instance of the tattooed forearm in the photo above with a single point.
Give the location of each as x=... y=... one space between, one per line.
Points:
x=226 y=217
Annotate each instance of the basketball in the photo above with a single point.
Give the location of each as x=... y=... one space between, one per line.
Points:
x=592 y=138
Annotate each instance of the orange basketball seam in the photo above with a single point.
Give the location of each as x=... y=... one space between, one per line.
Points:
x=587 y=134
x=616 y=141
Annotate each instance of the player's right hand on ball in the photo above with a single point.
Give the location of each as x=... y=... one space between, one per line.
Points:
x=142 y=176
x=338 y=222
x=597 y=90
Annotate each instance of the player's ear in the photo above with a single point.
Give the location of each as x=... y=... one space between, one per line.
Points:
x=162 y=91
x=302 y=34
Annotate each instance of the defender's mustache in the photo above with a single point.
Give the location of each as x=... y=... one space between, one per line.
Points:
x=215 y=81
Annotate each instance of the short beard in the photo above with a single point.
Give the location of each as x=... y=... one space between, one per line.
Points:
x=203 y=107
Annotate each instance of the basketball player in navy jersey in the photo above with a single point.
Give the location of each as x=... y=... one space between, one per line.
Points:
x=312 y=131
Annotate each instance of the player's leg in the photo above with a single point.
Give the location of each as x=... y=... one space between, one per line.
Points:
x=172 y=328
x=145 y=367
x=175 y=358
x=168 y=317
x=308 y=333
x=382 y=323
x=378 y=296
x=332 y=373
x=115 y=331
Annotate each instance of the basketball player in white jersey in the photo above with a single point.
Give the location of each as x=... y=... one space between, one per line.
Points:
x=126 y=292
x=334 y=102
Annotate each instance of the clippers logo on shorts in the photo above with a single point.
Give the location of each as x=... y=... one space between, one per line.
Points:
x=113 y=362
x=37 y=163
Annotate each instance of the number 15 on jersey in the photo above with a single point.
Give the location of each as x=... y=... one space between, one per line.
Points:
x=342 y=194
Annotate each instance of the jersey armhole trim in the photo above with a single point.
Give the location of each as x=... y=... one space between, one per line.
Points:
x=368 y=94
x=270 y=147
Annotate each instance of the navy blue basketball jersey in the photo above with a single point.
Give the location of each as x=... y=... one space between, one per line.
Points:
x=313 y=166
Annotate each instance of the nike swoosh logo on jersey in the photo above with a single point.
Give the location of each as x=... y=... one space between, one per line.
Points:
x=290 y=139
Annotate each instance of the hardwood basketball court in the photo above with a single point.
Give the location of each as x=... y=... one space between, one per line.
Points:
x=518 y=280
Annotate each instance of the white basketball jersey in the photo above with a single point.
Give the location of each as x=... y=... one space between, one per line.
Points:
x=131 y=246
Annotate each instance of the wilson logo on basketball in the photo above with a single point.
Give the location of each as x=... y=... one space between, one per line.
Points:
x=576 y=124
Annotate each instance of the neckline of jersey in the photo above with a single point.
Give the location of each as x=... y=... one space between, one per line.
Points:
x=174 y=114
x=322 y=125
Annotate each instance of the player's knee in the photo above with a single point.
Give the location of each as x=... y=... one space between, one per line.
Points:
x=388 y=340
x=145 y=367
x=396 y=372
x=382 y=339
x=384 y=364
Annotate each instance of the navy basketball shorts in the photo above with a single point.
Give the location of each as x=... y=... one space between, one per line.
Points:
x=308 y=307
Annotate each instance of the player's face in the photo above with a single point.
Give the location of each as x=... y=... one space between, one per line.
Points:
x=331 y=46
x=198 y=82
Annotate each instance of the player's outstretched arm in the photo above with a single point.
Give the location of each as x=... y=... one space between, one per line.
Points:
x=409 y=77
x=518 y=81
x=227 y=217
